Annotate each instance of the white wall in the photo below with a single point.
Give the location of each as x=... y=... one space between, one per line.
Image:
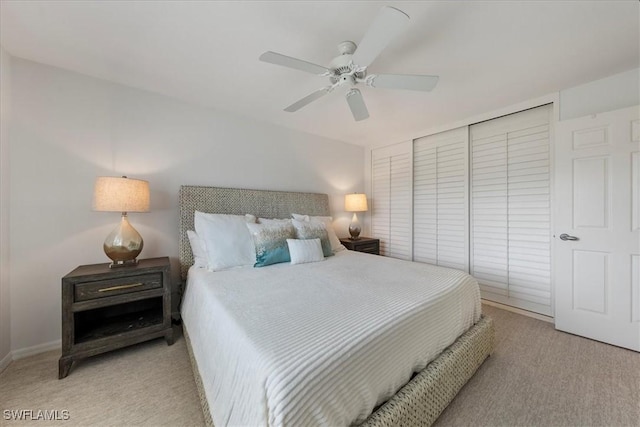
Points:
x=5 y=113
x=610 y=93
x=69 y=128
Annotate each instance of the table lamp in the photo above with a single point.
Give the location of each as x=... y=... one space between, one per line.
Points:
x=355 y=203
x=115 y=194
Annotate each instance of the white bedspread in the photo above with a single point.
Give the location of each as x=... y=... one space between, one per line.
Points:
x=320 y=343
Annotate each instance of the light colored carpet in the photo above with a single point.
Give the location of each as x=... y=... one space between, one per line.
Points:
x=538 y=376
x=535 y=377
x=150 y=384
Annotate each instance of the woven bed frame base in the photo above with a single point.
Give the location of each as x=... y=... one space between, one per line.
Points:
x=198 y=379
x=421 y=401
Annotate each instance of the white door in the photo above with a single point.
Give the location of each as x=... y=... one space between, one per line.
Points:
x=597 y=223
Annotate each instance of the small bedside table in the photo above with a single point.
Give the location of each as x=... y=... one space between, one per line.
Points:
x=363 y=244
x=104 y=309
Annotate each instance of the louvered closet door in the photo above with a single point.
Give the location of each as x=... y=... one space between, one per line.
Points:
x=380 y=200
x=440 y=199
x=391 y=212
x=510 y=209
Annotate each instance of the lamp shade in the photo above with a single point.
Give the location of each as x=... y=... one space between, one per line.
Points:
x=355 y=202
x=120 y=194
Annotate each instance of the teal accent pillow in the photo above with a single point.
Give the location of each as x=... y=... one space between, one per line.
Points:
x=271 y=242
x=314 y=230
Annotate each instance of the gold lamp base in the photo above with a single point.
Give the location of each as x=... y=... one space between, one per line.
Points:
x=354 y=228
x=123 y=244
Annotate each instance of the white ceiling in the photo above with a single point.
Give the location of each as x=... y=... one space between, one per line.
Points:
x=488 y=54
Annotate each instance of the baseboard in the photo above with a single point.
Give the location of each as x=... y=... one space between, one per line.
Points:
x=519 y=311
x=5 y=362
x=36 y=349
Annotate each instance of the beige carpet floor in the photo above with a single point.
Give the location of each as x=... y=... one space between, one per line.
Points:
x=536 y=377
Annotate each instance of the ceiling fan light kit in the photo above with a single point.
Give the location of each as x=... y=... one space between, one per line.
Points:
x=350 y=67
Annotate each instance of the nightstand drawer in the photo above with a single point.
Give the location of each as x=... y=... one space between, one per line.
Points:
x=370 y=248
x=363 y=244
x=107 y=288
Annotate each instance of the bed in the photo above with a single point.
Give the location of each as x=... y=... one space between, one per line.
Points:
x=255 y=366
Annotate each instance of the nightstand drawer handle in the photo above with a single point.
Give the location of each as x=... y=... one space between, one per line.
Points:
x=117 y=288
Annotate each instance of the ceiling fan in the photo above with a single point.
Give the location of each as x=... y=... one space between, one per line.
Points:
x=350 y=67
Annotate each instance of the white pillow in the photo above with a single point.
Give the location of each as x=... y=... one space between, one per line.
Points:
x=304 y=251
x=227 y=240
x=197 y=249
x=336 y=246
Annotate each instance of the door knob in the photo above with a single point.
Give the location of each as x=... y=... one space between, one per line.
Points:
x=565 y=236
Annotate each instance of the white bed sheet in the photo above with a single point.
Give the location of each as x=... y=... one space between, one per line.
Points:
x=321 y=343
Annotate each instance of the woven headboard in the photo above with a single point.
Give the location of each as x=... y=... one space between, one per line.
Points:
x=236 y=201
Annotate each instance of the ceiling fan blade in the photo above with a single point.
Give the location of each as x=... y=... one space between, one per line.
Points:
x=287 y=61
x=357 y=105
x=308 y=99
x=388 y=24
x=403 y=81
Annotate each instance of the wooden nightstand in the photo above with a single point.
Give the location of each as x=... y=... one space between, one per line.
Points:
x=104 y=309
x=363 y=244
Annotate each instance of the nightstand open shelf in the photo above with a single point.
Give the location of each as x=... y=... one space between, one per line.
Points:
x=119 y=319
x=104 y=309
